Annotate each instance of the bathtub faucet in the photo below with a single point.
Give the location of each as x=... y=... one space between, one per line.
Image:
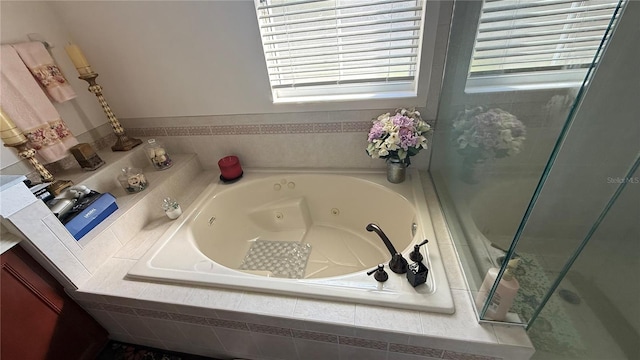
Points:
x=398 y=264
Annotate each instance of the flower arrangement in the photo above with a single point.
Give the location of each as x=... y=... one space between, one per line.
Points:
x=481 y=134
x=398 y=136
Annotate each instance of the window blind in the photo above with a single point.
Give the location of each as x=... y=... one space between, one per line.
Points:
x=554 y=37
x=316 y=47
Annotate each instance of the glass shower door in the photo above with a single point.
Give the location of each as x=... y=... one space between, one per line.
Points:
x=590 y=134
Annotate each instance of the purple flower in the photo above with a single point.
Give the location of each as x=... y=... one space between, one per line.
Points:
x=398 y=136
x=376 y=132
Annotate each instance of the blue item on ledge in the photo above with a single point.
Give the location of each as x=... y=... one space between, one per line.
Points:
x=93 y=215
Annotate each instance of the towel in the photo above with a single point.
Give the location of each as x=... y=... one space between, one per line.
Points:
x=27 y=105
x=43 y=68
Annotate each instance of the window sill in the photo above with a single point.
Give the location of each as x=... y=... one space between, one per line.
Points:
x=523 y=87
x=345 y=97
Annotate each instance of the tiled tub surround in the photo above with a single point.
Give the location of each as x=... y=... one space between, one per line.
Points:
x=231 y=323
x=228 y=323
x=324 y=139
x=74 y=262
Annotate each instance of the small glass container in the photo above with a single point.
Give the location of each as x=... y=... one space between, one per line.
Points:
x=158 y=155
x=133 y=180
x=171 y=208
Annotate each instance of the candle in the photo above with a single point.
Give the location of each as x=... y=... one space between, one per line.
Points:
x=9 y=133
x=78 y=59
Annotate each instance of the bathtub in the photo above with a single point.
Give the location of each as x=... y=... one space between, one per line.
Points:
x=303 y=234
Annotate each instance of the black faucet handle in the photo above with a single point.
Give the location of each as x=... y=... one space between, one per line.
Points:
x=380 y=274
x=415 y=254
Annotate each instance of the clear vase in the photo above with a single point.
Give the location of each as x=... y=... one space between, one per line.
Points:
x=158 y=155
x=132 y=180
x=396 y=170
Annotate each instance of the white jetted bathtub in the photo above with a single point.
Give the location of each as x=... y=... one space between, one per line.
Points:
x=303 y=234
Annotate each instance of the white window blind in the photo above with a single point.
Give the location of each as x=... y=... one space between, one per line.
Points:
x=341 y=49
x=541 y=43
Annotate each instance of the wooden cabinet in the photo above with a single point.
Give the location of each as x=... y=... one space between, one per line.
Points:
x=38 y=320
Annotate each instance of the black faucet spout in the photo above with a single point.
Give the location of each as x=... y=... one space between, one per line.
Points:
x=375 y=228
x=398 y=264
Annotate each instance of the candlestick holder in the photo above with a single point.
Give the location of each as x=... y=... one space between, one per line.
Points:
x=24 y=151
x=123 y=142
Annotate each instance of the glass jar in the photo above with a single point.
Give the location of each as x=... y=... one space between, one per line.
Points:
x=132 y=180
x=171 y=208
x=158 y=155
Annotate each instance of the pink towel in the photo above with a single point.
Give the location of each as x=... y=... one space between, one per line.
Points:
x=26 y=104
x=42 y=66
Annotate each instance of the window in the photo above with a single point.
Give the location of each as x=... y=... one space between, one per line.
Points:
x=319 y=50
x=524 y=44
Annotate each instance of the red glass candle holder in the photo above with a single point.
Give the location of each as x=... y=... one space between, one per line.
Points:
x=230 y=168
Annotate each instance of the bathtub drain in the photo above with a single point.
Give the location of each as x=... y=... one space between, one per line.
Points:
x=569 y=296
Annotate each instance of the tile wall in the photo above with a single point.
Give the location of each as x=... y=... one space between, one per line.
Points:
x=328 y=139
x=213 y=334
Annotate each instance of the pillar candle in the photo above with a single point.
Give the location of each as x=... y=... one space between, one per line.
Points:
x=78 y=59
x=9 y=133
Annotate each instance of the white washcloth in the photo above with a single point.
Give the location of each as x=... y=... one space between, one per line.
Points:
x=44 y=69
x=27 y=105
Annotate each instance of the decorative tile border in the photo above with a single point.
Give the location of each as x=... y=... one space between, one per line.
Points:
x=310 y=335
x=273 y=129
x=452 y=355
x=364 y=343
x=416 y=350
x=153 y=314
x=199 y=130
x=299 y=128
x=229 y=324
x=118 y=309
x=356 y=126
x=189 y=319
x=223 y=130
x=271 y=330
x=156 y=131
x=177 y=131
x=254 y=129
x=327 y=127
x=295 y=333
x=247 y=129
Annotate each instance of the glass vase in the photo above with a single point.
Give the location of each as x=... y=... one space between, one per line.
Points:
x=132 y=180
x=157 y=154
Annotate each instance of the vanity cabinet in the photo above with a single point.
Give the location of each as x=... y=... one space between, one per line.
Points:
x=38 y=320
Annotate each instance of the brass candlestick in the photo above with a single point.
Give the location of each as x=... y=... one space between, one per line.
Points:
x=13 y=137
x=123 y=142
x=25 y=152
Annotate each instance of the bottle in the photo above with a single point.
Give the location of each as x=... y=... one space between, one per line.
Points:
x=506 y=292
x=171 y=208
x=158 y=155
